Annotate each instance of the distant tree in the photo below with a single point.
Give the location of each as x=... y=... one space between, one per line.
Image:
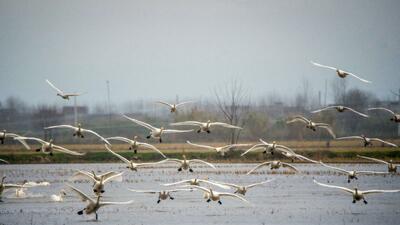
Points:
x=339 y=87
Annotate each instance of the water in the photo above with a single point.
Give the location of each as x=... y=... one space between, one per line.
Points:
x=289 y=199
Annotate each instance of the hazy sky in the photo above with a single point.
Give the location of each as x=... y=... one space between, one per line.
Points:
x=157 y=49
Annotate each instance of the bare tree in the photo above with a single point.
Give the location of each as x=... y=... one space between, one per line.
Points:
x=339 y=87
x=234 y=102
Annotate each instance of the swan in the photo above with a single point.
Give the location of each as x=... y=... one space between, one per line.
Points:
x=204 y=127
x=293 y=156
x=162 y=195
x=243 y=189
x=311 y=125
x=392 y=168
x=154 y=131
x=98 y=180
x=61 y=93
x=93 y=204
x=4 y=134
x=340 y=73
x=134 y=144
x=79 y=131
x=221 y=150
x=4 y=186
x=196 y=181
x=357 y=194
x=351 y=174
x=185 y=163
x=210 y=194
x=276 y=164
x=4 y=161
x=395 y=116
x=59 y=197
x=49 y=147
x=367 y=141
x=130 y=164
x=268 y=147
x=340 y=109
x=173 y=107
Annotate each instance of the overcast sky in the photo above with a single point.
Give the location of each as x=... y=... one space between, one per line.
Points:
x=160 y=49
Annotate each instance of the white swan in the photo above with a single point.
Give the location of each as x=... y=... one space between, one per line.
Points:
x=4 y=186
x=340 y=73
x=367 y=141
x=197 y=181
x=173 y=107
x=79 y=131
x=395 y=116
x=392 y=168
x=276 y=164
x=20 y=192
x=162 y=195
x=61 y=93
x=204 y=127
x=92 y=204
x=98 y=180
x=185 y=163
x=357 y=194
x=268 y=147
x=154 y=131
x=240 y=189
x=210 y=194
x=311 y=125
x=351 y=174
x=134 y=144
x=4 y=134
x=59 y=197
x=340 y=109
x=221 y=150
x=293 y=156
x=49 y=147
x=130 y=164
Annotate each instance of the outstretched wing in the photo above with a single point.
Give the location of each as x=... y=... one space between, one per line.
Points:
x=187 y=123
x=127 y=140
x=350 y=137
x=144 y=191
x=224 y=125
x=333 y=186
x=326 y=127
x=323 y=109
x=61 y=126
x=31 y=138
x=165 y=103
x=151 y=147
x=4 y=161
x=287 y=165
x=64 y=150
x=335 y=168
x=54 y=87
x=117 y=155
x=115 y=203
x=381 y=108
x=82 y=195
x=298 y=119
x=379 y=191
x=385 y=142
x=96 y=134
x=176 y=183
x=169 y=131
x=323 y=66
x=233 y=196
x=201 y=146
x=255 y=147
x=203 y=162
x=221 y=185
x=258 y=166
x=82 y=175
x=373 y=159
x=141 y=123
x=23 y=142
x=363 y=80
x=115 y=177
x=355 y=111
x=259 y=183
x=182 y=103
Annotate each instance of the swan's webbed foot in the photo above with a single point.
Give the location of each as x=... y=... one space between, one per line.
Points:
x=265 y=152
x=135 y=151
x=208 y=131
x=160 y=140
x=158 y=201
x=365 y=202
x=82 y=136
x=51 y=153
x=74 y=134
x=208 y=200
x=179 y=169
x=97 y=217
x=220 y=202
x=81 y=212
x=148 y=137
x=190 y=170
x=348 y=181
x=354 y=201
x=198 y=131
x=37 y=150
x=172 y=198
x=2 y=141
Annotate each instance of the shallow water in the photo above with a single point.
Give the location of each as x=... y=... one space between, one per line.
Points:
x=288 y=199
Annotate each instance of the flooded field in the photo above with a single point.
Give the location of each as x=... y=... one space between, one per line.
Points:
x=288 y=199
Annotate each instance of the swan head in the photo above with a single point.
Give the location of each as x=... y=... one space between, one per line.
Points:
x=391 y=160
x=208 y=121
x=79 y=125
x=161 y=128
x=135 y=138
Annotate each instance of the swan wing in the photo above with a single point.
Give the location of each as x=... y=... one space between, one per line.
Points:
x=221 y=185
x=55 y=88
x=144 y=191
x=61 y=126
x=127 y=140
x=326 y=127
x=381 y=108
x=202 y=161
x=363 y=80
x=225 y=125
x=64 y=150
x=253 y=148
x=258 y=166
x=4 y=161
x=259 y=183
x=115 y=203
x=334 y=168
x=169 y=131
x=350 y=137
x=323 y=109
x=323 y=66
x=233 y=196
x=115 y=177
x=385 y=142
x=141 y=123
x=355 y=111
x=373 y=159
x=176 y=183
x=151 y=147
x=333 y=186
x=31 y=138
x=379 y=191
x=82 y=175
x=182 y=103
x=96 y=134
x=82 y=195
x=298 y=119
x=287 y=165
x=201 y=146
x=187 y=123
x=165 y=103
x=117 y=155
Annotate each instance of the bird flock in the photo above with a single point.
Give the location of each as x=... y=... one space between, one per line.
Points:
x=209 y=188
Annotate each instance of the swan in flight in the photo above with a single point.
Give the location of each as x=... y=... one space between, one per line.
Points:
x=210 y=194
x=185 y=163
x=204 y=127
x=395 y=116
x=340 y=73
x=4 y=134
x=130 y=164
x=79 y=131
x=134 y=144
x=243 y=189
x=367 y=141
x=59 y=197
x=4 y=186
x=162 y=195
x=49 y=147
x=61 y=93
x=293 y=156
x=357 y=194
x=340 y=109
x=311 y=125
x=173 y=107
x=221 y=150
x=93 y=204
x=392 y=168
x=4 y=161
x=351 y=174
x=154 y=131
x=196 y=181
x=276 y=164
x=268 y=147
x=98 y=180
